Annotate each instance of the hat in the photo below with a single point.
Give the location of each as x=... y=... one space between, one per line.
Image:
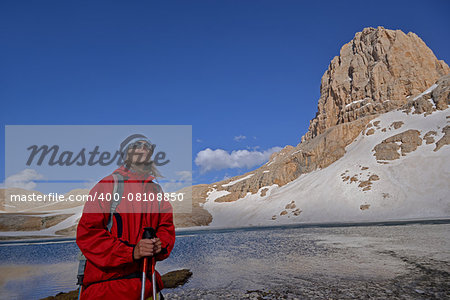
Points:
x=130 y=141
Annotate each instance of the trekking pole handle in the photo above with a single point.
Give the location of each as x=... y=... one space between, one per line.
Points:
x=149 y=233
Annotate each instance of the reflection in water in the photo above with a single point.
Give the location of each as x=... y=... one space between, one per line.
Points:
x=36 y=280
x=34 y=271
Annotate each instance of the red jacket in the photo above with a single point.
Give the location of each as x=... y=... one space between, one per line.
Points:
x=110 y=254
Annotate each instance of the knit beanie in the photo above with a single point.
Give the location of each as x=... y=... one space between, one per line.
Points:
x=125 y=145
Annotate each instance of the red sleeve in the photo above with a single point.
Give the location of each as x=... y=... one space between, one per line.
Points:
x=94 y=240
x=166 y=230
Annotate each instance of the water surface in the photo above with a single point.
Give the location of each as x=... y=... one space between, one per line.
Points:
x=292 y=260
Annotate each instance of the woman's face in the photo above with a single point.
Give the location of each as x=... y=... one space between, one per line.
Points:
x=139 y=153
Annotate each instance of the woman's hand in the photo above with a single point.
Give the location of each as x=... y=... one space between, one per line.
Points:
x=147 y=247
x=156 y=246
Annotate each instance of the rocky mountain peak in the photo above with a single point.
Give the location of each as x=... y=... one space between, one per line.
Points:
x=377 y=71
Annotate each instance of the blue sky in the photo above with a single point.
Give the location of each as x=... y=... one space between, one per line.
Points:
x=228 y=68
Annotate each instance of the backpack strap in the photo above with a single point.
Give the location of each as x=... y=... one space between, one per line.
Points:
x=81 y=267
x=118 y=189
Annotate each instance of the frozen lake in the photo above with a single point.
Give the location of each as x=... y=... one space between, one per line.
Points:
x=404 y=261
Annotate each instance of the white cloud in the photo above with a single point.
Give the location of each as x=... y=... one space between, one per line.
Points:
x=171 y=186
x=219 y=159
x=184 y=175
x=24 y=179
x=254 y=148
x=184 y=179
x=239 y=138
x=199 y=141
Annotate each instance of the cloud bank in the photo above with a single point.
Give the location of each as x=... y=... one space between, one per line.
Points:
x=24 y=179
x=209 y=160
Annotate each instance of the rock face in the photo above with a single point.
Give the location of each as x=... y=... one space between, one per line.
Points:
x=406 y=142
x=375 y=72
x=435 y=98
x=288 y=164
x=445 y=140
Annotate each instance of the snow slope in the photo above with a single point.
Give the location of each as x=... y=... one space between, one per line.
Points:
x=413 y=186
x=51 y=231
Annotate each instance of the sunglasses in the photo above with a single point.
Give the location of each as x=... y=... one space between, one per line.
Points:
x=142 y=145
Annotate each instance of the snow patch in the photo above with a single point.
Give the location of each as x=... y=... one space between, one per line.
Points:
x=215 y=194
x=239 y=212
x=237 y=180
x=429 y=90
x=354 y=102
x=296 y=152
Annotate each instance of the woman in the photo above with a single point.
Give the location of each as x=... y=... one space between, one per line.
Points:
x=111 y=238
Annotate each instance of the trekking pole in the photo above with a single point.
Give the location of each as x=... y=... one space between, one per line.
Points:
x=80 y=275
x=149 y=233
x=154 y=277
x=79 y=292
